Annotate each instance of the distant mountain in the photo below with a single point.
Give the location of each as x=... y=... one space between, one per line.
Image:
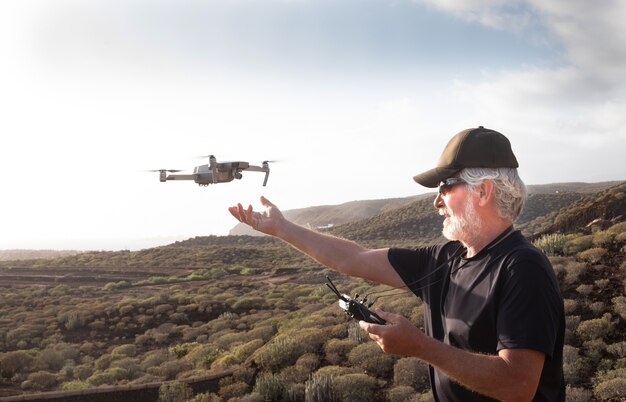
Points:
x=328 y=216
x=19 y=254
x=414 y=217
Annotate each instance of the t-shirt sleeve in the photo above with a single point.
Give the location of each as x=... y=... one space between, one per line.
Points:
x=529 y=310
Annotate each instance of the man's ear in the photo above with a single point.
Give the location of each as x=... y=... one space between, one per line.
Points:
x=486 y=191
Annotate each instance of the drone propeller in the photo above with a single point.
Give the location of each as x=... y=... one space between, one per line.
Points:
x=164 y=170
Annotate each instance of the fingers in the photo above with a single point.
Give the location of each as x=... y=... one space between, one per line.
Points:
x=265 y=202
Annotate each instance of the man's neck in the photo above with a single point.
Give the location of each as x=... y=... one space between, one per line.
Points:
x=486 y=235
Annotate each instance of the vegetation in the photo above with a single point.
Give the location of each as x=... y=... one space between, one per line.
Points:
x=255 y=305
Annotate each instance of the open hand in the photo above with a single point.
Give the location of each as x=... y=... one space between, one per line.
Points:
x=267 y=221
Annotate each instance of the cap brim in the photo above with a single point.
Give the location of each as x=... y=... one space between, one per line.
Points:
x=431 y=178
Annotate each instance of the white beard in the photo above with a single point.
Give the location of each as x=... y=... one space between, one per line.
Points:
x=462 y=227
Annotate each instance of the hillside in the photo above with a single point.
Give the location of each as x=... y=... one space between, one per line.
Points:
x=334 y=215
x=256 y=314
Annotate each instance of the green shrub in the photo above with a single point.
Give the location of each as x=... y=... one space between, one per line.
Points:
x=577 y=244
x=412 y=372
x=372 y=359
x=281 y=352
x=602 y=238
x=355 y=387
x=183 y=349
x=74 y=385
x=551 y=244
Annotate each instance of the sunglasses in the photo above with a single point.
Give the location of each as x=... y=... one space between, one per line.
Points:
x=448 y=183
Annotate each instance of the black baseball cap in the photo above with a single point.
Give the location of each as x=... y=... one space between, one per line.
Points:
x=473 y=147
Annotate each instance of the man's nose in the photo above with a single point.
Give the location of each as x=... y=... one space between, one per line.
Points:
x=438 y=203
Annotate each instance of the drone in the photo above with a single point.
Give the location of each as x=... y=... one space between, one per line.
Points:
x=215 y=172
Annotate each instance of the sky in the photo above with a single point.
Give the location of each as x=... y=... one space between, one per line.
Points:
x=352 y=98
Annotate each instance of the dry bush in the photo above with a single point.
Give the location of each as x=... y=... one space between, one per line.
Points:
x=281 y=352
x=130 y=365
x=575 y=394
x=570 y=268
x=355 y=387
x=411 y=372
x=175 y=392
x=242 y=352
x=336 y=350
x=203 y=356
x=40 y=381
x=575 y=366
x=110 y=376
x=294 y=374
x=595 y=328
x=593 y=255
x=270 y=386
x=319 y=388
x=234 y=390
x=15 y=362
x=82 y=372
x=225 y=361
x=49 y=360
x=154 y=358
x=613 y=389
x=401 y=393
x=333 y=371
x=619 y=306
x=372 y=359
x=594 y=350
x=128 y=350
x=584 y=289
x=570 y=305
x=170 y=369
x=617 y=349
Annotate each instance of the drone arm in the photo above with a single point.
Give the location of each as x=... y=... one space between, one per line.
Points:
x=181 y=177
x=267 y=175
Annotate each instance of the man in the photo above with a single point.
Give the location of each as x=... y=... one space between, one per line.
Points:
x=493 y=313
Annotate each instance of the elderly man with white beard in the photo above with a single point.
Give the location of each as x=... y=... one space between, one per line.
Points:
x=493 y=314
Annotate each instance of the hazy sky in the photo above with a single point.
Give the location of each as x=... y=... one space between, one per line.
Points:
x=354 y=97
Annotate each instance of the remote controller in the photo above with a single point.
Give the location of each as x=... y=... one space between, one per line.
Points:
x=354 y=308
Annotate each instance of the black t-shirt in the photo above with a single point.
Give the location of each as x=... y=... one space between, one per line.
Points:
x=506 y=296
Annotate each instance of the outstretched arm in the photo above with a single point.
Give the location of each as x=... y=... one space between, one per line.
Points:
x=336 y=253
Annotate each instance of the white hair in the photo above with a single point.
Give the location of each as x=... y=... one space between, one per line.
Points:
x=510 y=190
